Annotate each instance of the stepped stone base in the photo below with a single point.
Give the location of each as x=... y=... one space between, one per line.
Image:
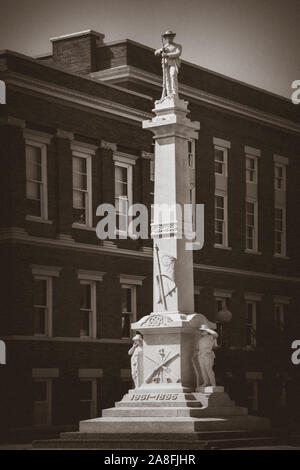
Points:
x=146 y=419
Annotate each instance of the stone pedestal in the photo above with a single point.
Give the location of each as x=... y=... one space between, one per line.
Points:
x=168 y=346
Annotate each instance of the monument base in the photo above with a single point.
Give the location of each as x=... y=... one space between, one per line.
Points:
x=143 y=411
x=160 y=420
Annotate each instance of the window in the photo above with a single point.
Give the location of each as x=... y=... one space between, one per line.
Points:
x=123 y=194
x=87 y=309
x=87 y=398
x=42 y=298
x=128 y=308
x=36 y=180
x=251 y=169
x=279 y=177
x=42 y=306
x=82 y=189
x=280 y=183
x=279 y=316
x=251 y=225
x=221 y=148
x=279 y=226
x=251 y=323
x=42 y=402
x=222 y=303
x=220 y=220
x=220 y=160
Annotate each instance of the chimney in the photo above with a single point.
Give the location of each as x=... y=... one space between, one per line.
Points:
x=77 y=52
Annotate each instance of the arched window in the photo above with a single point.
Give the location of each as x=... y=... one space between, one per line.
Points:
x=2 y=92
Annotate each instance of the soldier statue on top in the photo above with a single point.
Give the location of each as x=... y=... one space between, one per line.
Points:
x=170 y=53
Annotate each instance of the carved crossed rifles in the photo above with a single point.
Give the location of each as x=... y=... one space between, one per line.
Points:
x=168 y=277
x=160 y=366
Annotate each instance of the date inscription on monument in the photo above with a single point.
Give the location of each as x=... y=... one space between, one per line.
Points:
x=154 y=396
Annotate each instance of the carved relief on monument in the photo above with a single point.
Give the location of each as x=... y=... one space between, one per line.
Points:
x=165 y=277
x=162 y=370
x=156 y=320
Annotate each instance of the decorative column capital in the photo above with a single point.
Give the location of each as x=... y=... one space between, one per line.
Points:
x=62 y=134
x=171 y=120
x=147 y=155
x=108 y=145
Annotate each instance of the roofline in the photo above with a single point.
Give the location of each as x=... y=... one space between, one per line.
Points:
x=67 y=72
x=77 y=34
x=199 y=67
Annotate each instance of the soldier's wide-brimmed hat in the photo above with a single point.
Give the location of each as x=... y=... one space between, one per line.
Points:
x=168 y=33
x=138 y=336
x=208 y=330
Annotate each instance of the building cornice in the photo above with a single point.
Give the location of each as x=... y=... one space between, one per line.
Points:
x=75 y=98
x=21 y=236
x=116 y=74
x=66 y=339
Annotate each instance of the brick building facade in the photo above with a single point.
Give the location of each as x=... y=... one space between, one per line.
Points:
x=71 y=139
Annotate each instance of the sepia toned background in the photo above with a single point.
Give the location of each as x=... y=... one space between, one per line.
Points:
x=256 y=41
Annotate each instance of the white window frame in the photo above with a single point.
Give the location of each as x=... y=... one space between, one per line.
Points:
x=223 y=296
x=43 y=183
x=255 y=226
x=93 y=312
x=254 y=170
x=132 y=288
x=129 y=281
x=280 y=203
x=129 y=199
x=88 y=192
x=220 y=326
x=225 y=221
x=49 y=392
x=224 y=164
x=283 y=232
x=93 y=401
x=40 y=272
x=277 y=178
x=280 y=303
x=49 y=306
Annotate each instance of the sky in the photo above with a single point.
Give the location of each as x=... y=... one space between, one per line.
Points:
x=255 y=41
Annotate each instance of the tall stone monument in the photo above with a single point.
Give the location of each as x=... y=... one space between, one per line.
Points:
x=172 y=356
